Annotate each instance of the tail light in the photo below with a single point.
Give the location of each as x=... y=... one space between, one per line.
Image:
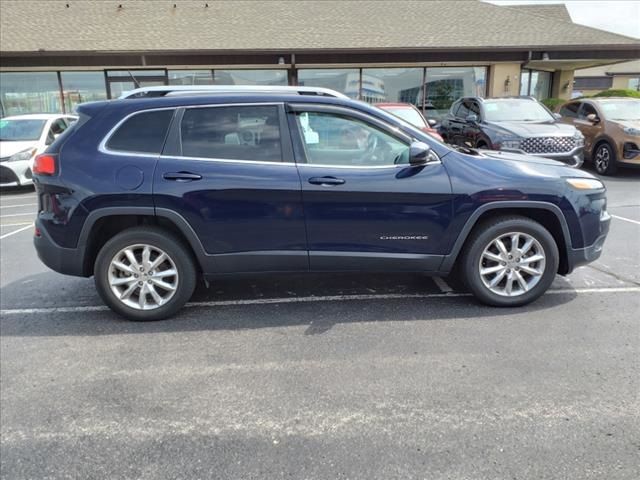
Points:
x=45 y=164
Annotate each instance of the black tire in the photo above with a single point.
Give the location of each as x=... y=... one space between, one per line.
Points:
x=482 y=236
x=158 y=238
x=604 y=159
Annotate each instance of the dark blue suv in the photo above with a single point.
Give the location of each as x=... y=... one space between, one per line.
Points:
x=147 y=194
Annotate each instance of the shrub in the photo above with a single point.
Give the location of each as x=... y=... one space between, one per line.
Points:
x=553 y=103
x=619 y=93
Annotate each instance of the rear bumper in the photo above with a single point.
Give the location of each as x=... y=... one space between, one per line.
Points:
x=69 y=261
x=581 y=256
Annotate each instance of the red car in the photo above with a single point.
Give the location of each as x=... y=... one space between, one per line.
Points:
x=410 y=114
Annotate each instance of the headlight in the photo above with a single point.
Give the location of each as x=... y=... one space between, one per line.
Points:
x=579 y=139
x=23 y=155
x=585 y=183
x=632 y=131
x=515 y=144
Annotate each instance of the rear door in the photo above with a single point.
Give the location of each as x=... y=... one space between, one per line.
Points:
x=229 y=171
x=365 y=207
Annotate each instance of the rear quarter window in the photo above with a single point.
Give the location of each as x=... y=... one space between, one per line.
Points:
x=143 y=132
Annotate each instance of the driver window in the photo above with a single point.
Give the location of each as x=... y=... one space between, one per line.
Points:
x=57 y=127
x=331 y=139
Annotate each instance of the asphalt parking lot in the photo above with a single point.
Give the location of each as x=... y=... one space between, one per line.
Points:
x=323 y=377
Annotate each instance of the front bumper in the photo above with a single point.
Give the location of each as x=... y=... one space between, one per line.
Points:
x=582 y=256
x=69 y=261
x=573 y=158
x=14 y=174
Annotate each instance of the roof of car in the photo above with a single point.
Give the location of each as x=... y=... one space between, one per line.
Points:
x=36 y=116
x=606 y=99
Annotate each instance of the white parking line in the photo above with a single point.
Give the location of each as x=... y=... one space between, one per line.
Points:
x=2 y=237
x=31 y=214
x=20 y=205
x=626 y=219
x=442 y=285
x=2 y=225
x=326 y=298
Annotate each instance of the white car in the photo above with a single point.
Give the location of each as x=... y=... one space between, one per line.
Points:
x=22 y=137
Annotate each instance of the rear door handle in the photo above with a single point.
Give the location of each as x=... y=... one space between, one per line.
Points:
x=327 y=181
x=181 y=176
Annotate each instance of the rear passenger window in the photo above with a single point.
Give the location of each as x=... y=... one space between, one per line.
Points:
x=234 y=133
x=142 y=133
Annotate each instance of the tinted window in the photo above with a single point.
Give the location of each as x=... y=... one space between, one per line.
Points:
x=474 y=108
x=587 y=110
x=330 y=139
x=570 y=110
x=143 y=132
x=463 y=111
x=235 y=133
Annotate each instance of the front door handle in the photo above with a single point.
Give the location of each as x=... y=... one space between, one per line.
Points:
x=181 y=176
x=326 y=181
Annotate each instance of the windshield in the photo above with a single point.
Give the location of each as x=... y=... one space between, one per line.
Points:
x=409 y=114
x=621 y=110
x=516 y=111
x=20 y=130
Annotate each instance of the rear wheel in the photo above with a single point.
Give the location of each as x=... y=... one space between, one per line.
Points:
x=145 y=273
x=604 y=159
x=510 y=261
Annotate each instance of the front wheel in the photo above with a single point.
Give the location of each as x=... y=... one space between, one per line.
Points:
x=144 y=274
x=510 y=261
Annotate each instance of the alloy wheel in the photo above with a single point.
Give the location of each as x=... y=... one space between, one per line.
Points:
x=143 y=277
x=512 y=264
x=602 y=159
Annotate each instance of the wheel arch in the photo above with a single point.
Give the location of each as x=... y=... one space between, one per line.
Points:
x=103 y=224
x=547 y=214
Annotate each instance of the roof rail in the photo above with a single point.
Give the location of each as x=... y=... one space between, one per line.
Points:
x=173 y=90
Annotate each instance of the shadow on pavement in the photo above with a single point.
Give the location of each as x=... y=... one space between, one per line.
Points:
x=318 y=317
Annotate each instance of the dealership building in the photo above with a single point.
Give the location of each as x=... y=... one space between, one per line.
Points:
x=55 y=54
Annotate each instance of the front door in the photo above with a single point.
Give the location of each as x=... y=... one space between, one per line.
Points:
x=365 y=207
x=230 y=173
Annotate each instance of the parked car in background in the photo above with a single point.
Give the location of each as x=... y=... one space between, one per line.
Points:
x=22 y=137
x=514 y=124
x=409 y=113
x=611 y=127
x=146 y=194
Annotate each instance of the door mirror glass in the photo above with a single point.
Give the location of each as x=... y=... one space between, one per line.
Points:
x=419 y=153
x=557 y=116
x=472 y=118
x=432 y=122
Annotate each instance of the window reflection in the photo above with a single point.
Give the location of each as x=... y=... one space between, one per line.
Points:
x=392 y=85
x=190 y=77
x=346 y=81
x=29 y=92
x=250 y=77
x=444 y=85
x=80 y=87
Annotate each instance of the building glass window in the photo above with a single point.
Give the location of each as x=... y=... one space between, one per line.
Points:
x=634 y=84
x=392 y=85
x=250 y=77
x=346 y=81
x=29 y=92
x=190 y=77
x=540 y=85
x=444 y=85
x=80 y=87
x=536 y=83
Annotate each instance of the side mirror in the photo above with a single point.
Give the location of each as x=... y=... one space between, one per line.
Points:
x=593 y=118
x=473 y=118
x=432 y=122
x=419 y=153
x=557 y=116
